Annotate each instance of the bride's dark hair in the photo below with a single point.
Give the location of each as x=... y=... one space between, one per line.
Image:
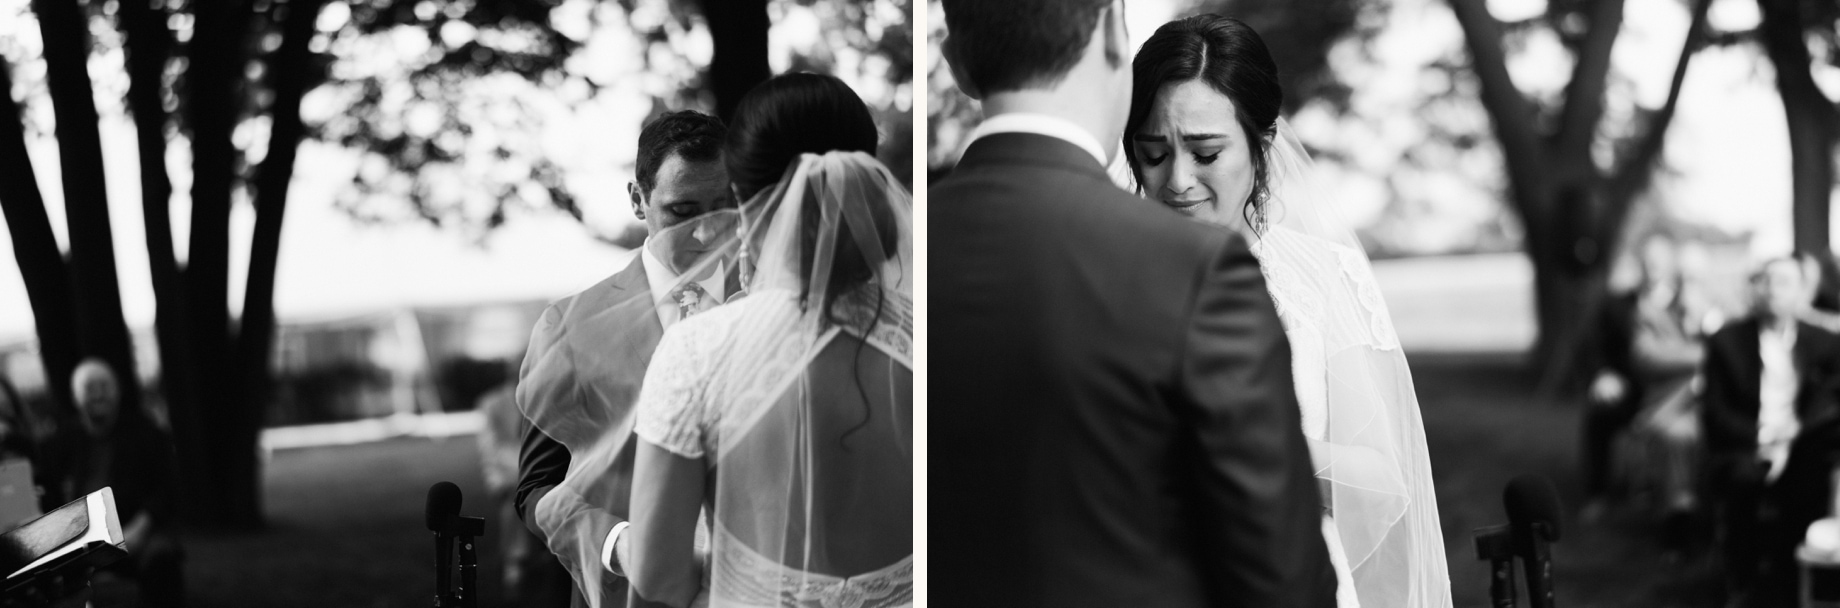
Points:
x=802 y=113
x=1231 y=58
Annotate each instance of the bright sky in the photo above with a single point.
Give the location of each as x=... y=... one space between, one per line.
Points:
x=1728 y=148
x=331 y=266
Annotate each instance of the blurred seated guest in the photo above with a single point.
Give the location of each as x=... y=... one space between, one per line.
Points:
x=16 y=440
x=1769 y=414
x=1664 y=446
x=532 y=576
x=123 y=450
x=1650 y=349
x=18 y=451
x=1825 y=311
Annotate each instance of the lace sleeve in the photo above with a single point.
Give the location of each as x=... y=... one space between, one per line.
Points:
x=674 y=398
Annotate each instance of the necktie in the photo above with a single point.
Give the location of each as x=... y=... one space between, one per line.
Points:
x=691 y=299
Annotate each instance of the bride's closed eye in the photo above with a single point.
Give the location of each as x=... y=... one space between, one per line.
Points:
x=1207 y=159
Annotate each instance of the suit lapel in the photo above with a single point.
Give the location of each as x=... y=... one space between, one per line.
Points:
x=1808 y=342
x=637 y=313
x=1750 y=355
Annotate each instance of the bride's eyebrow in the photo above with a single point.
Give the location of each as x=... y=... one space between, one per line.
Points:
x=1157 y=138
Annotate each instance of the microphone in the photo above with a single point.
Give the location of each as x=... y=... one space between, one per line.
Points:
x=443 y=507
x=1534 y=516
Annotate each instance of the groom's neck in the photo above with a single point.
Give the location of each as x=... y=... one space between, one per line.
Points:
x=1091 y=117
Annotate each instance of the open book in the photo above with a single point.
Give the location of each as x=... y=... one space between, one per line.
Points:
x=85 y=533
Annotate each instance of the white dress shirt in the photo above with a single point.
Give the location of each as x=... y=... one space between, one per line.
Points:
x=661 y=280
x=1041 y=124
x=1776 y=420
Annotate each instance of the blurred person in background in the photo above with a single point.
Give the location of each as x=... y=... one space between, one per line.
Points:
x=16 y=440
x=1662 y=450
x=1770 y=413
x=1650 y=351
x=1825 y=311
x=532 y=577
x=123 y=450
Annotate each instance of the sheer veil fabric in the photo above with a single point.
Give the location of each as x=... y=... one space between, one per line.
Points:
x=801 y=412
x=1355 y=391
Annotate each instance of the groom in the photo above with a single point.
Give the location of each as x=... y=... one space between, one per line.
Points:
x=1114 y=391
x=589 y=351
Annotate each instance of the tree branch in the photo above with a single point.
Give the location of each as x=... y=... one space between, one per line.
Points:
x=35 y=248
x=95 y=286
x=1636 y=169
x=1584 y=93
x=1509 y=110
x=289 y=70
x=148 y=44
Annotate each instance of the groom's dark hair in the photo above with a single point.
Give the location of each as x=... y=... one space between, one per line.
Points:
x=1011 y=45
x=693 y=135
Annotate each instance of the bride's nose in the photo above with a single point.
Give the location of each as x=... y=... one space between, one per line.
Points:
x=1181 y=175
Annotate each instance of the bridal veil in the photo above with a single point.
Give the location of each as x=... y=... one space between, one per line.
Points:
x=796 y=394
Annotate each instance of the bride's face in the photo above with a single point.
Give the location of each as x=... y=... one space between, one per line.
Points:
x=1193 y=155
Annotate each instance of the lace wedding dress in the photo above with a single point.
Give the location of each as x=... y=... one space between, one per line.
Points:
x=1359 y=409
x=736 y=385
x=1302 y=273
x=796 y=404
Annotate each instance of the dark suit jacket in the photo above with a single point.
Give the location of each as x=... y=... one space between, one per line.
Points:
x=1734 y=371
x=587 y=354
x=1616 y=325
x=1113 y=421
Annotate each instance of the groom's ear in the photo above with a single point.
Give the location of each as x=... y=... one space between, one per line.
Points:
x=638 y=199
x=1117 y=37
x=950 y=49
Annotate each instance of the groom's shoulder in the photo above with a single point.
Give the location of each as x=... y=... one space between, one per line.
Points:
x=604 y=294
x=1043 y=202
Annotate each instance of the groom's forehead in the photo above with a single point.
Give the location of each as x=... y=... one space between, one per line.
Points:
x=677 y=173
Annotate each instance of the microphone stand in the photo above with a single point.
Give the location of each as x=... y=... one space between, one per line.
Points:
x=1537 y=559
x=1496 y=544
x=443 y=575
x=469 y=565
x=464 y=530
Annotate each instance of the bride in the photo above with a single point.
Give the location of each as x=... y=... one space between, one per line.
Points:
x=775 y=461
x=1204 y=138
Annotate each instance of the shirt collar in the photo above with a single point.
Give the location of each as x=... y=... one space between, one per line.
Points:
x=1041 y=124
x=660 y=279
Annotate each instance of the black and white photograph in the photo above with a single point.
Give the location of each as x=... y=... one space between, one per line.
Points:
x=1382 y=303
x=462 y=303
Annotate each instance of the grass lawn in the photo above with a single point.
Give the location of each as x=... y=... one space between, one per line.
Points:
x=1484 y=429
x=346 y=522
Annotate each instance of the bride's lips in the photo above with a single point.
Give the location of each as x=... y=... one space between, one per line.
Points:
x=1185 y=204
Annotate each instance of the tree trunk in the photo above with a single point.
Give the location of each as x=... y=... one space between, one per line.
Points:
x=95 y=289
x=1573 y=211
x=220 y=495
x=35 y=249
x=1812 y=122
x=738 y=29
x=289 y=69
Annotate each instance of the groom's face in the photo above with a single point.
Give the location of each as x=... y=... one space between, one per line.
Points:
x=684 y=190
